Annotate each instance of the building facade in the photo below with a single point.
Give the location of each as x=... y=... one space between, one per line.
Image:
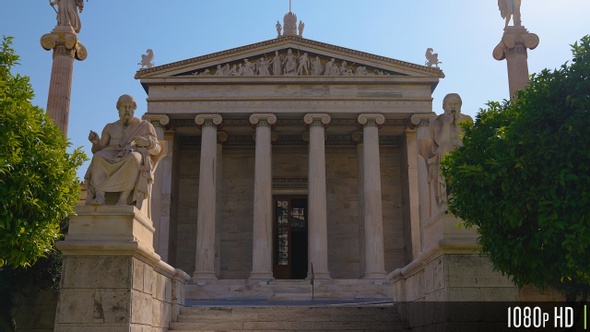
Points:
x=288 y=159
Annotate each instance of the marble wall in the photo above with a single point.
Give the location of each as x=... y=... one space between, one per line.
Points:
x=345 y=228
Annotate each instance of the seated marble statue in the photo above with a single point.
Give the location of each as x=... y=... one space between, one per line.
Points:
x=123 y=160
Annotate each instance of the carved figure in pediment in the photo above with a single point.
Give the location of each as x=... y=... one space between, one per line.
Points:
x=262 y=67
x=316 y=66
x=290 y=63
x=222 y=71
x=344 y=70
x=248 y=68
x=303 y=64
x=331 y=68
x=205 y=72
x=235 y=70
x=277 y=64
x=125 y=156
x=361 y=71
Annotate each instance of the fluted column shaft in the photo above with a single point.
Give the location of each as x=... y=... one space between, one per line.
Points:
x=162 y=186
x=262 y=239
x=66 y=47
x=373 y=210
x=317 y=206
x=206 y=213
x=513 y=47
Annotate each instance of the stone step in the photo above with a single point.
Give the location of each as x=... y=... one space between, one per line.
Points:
x=290 y=318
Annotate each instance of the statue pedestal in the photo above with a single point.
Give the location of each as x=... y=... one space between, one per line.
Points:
x=112 y=280
x=450 y=284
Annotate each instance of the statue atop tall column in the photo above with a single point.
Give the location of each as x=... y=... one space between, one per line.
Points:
x=66 y=47
x=125 y=156
x=514 y=44
x=67 y=13
x=508 y=9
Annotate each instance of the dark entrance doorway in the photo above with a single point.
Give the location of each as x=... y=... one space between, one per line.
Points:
x=290 y=237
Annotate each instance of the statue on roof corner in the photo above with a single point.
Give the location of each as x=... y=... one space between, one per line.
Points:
x=67 y=13
x=147 y=60
x=432 y=58
x=279 y=28
x=508 y=9
x=301 y=27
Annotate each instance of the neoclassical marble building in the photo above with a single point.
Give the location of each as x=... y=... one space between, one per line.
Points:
x=288 y=159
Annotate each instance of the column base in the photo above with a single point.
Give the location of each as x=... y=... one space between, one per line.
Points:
x=261 y=277
x=201 y=278
x=319 y=276
x=375 y=276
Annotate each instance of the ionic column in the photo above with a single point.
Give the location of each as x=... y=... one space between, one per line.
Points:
x=513 y=47
x=317 y=213
x=206 y=214
x=262 y=239
x=66 y=47
x=373 y=211
x=222 y=137
x=162 y=186
x=357 y=138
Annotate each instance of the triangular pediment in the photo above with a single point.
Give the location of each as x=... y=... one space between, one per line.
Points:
x=290 y=57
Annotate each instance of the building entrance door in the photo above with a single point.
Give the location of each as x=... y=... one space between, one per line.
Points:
x=290 y=237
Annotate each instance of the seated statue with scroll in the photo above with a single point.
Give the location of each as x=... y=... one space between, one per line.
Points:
x=124 y=158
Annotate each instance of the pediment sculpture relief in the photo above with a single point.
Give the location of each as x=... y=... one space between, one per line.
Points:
x=289 y=62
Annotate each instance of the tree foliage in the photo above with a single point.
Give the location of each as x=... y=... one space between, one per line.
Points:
x=523 y=178
x=38 y=182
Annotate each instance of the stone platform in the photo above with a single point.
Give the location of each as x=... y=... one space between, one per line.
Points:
x=326 y=289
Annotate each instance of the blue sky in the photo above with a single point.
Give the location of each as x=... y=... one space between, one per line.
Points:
x=117 y=32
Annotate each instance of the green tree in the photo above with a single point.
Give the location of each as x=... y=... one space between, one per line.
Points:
x=38 y=182
x=523 y=178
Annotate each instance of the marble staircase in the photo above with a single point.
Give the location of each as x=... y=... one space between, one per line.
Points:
x=331 y=289
x=327 y=317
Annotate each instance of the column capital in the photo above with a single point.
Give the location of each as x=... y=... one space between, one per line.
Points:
x=420 y=120
x=515 y=40
x=208 y=120
x=157 y=119
x=316 y=119
x=262 y=119
x=367 y=119
x=64 y=41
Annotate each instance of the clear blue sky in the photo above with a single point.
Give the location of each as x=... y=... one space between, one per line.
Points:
x=117 y=32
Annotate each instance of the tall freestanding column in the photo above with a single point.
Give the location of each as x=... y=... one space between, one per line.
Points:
x=513 y=47
x=318 y=221
x=373 y=210
x=262 y=241
x=66 y=47
x=206 y=214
